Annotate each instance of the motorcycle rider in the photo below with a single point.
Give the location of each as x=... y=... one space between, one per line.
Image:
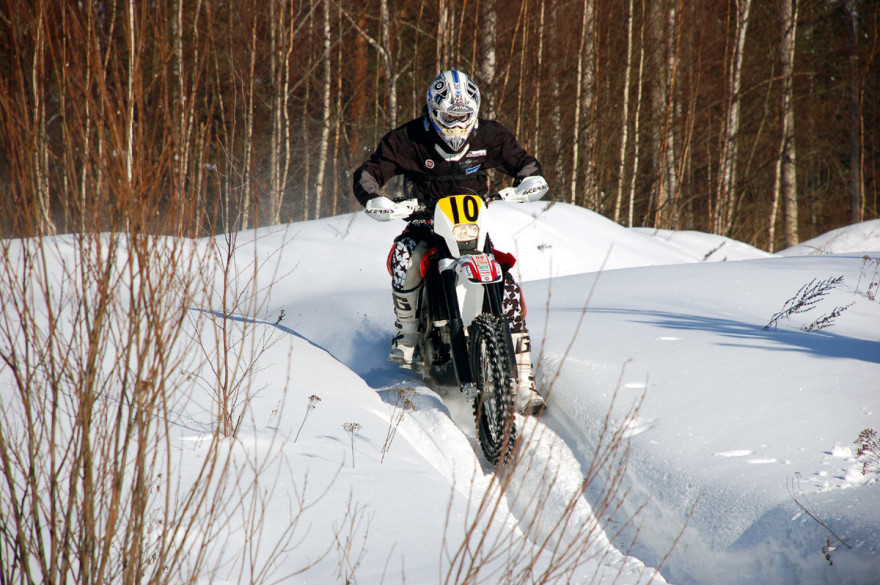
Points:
x=447 y=151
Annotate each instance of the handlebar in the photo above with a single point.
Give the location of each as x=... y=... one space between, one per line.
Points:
x=425 y=211
x=423 y=206
x=382 y=208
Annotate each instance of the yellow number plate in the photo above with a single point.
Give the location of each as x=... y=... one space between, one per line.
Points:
x=461 y=208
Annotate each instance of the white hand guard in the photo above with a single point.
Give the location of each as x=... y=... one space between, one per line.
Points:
x=384 y=209
x=508 y=194
x=530 y=189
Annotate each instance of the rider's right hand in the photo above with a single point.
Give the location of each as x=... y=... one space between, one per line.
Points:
x=384 y=209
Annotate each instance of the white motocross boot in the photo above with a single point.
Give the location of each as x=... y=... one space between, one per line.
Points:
x=406 y=307
x=528 y=401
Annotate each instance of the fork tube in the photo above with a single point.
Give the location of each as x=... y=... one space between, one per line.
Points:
x=494 y=292
x=460 y=357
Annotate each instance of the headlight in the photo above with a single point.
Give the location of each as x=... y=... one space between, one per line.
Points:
x=465 y=232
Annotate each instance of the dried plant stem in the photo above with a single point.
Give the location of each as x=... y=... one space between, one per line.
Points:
x=352 y=428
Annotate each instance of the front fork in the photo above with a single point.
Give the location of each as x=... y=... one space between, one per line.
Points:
x=495 y=293
x=458 y=341
x=460 y=357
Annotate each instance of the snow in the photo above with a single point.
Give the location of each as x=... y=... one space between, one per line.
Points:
x=739 y=438
x=859 y=237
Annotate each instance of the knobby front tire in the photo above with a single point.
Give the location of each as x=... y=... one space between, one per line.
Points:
x=495 y=403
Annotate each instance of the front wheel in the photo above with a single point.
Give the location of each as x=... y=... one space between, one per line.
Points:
x=494 y=405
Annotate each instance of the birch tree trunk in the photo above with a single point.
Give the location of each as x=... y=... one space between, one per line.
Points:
x=726 y=195
x=285 y=103
x=357 y=109
x=179 y=105
x=186 y=190
x=325 y=112
x=337 y=107
x=488 y=57
x=665 y=40
x=440 y=55
x=87 y=127
x=624 y=114
x=276 y=66
x=657 y=41
x=586 y=71
x=43 y=217
x=669 y=214
x=388 y=62
x=536 y=140
x=130 y=99
x=588 y=94
x=281 y=37
x=521 y=76
x=855 y=116
x=785 y=182
x=555 y=117
x=306 y=129
x=245 y=206
x=636 y=121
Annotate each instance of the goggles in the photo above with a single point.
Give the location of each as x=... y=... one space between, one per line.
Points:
x=452 y=119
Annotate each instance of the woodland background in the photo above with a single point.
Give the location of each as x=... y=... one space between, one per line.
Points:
x=757 y=119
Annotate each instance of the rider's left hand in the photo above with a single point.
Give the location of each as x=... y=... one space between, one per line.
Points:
x=530 y=189
x=508 y=194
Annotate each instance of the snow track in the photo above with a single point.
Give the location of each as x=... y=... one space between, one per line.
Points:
x=542 y=505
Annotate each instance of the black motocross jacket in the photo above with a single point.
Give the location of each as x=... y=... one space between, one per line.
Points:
x=429 y=175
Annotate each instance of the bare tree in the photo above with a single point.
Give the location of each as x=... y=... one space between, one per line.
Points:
x=855 y=118
x=785 y=184
x=389 y=64
x=250 y=123
x=665 y=35
x=383 y=48
x=40 y=161
x=282 y=26
x=324 y=144
x=557 y=142
x=487 y=39
x=441 y=47
x=247 y=164
x=536 y=141
x=624 y=113
x=667 y=214
x=636 y=122
x=583 y=112
x=725 y=201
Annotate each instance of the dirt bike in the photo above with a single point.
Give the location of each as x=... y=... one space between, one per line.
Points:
x=464 y=336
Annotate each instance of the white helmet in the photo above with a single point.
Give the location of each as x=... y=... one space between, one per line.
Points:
x=453 y=105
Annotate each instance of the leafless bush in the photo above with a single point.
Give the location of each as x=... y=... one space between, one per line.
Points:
x=96 y=326
x=868 y=450
x=350 y=537
x=401 y=405
x=806 y=506
x=870 y=272
x=826 y=321
x=93 y=342
x=806 y=299
x=229 y=338
x=89 y=337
